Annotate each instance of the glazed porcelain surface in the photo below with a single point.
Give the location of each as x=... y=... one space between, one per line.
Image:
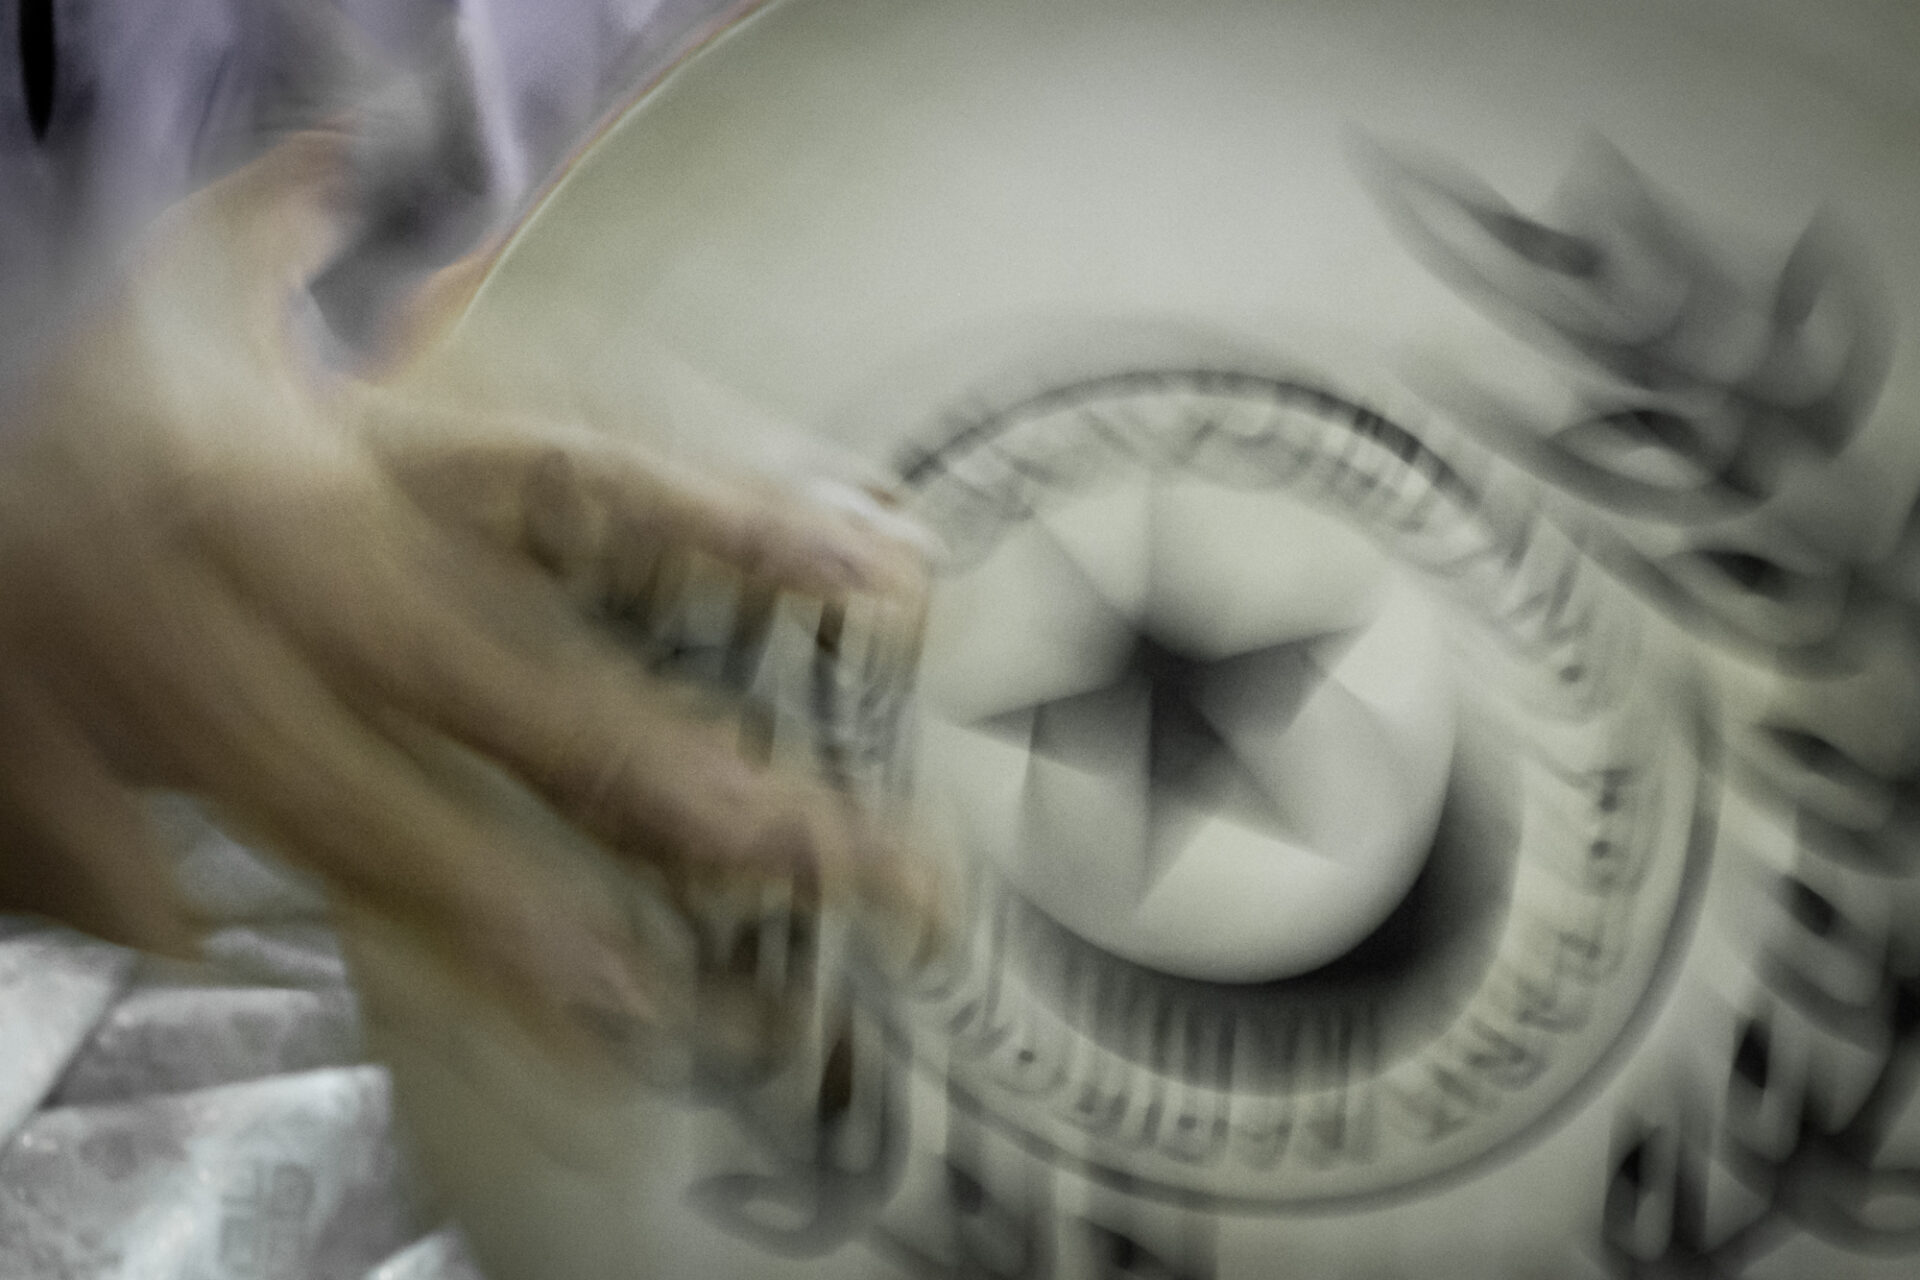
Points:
x=1419 y=697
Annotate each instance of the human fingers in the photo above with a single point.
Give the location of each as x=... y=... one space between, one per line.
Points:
x=488 y=651
x=676 y=554
x=74 y=844
x=597 y=509
x=229 y=707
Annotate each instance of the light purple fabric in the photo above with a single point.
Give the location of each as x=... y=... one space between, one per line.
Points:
x=466 y=106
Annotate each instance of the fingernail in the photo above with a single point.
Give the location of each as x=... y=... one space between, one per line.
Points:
x=848 y=560
x=784 y=846
x=904 y=922
x=889 y=521
x=901 y=945
x=625 y=1015
x=616 y=1031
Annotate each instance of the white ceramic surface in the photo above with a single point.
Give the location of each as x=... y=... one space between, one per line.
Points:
x=850 y=224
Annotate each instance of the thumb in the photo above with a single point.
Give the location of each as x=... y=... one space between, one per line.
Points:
x=234 y=254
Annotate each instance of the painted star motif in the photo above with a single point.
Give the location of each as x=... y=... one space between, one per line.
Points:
x=1157 y=716
x=1205 y=728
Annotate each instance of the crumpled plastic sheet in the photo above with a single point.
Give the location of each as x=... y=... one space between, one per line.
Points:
x=54 y=985
x=292 y=1176
x=440 y=1256
x=165 y=1121
x=165 y=1037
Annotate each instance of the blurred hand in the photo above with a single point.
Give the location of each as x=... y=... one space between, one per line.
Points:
x=226 y=573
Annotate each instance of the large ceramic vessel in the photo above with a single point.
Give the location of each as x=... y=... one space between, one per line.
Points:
x=1420 y=695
